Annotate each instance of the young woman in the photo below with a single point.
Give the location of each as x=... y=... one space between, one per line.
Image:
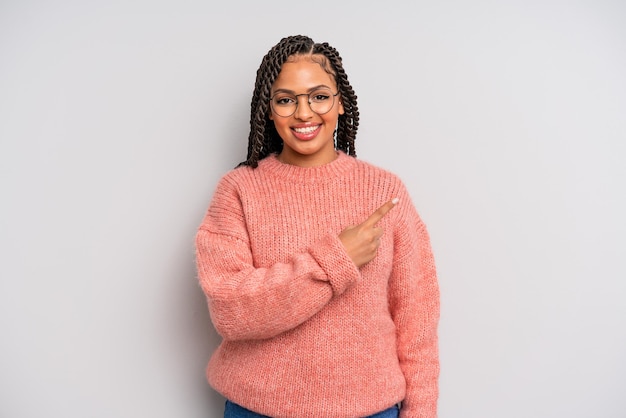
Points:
x=317 y=268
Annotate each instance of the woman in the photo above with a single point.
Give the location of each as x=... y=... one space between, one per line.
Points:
x=317 y=268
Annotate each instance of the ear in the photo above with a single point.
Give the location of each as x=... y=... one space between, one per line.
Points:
x=341 y=108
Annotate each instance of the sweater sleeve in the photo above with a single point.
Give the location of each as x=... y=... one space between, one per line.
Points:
x=251 y=302
x=414 y=304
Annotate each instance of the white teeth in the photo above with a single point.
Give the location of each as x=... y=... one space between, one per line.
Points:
x=306 y=130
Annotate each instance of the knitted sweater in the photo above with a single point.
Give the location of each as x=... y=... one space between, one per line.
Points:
x=305 y=332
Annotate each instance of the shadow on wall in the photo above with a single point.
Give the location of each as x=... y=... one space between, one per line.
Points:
x=195 y=340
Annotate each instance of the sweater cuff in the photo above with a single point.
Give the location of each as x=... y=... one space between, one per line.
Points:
x=332 y=257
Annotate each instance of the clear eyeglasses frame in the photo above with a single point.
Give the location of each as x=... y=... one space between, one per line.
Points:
x=320 y=100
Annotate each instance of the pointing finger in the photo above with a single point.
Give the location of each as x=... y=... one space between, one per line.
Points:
x=381 y=212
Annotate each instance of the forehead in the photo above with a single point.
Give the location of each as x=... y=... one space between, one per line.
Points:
x=302 y=74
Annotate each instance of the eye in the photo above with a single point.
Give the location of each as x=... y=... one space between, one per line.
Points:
x=320 y=96
x=284 y=100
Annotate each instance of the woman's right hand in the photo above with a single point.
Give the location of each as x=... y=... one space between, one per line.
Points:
x=362 y=241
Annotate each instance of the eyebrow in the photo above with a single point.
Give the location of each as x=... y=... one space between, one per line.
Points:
x=319 y=86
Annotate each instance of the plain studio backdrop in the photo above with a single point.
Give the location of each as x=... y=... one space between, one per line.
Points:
x=506 y=120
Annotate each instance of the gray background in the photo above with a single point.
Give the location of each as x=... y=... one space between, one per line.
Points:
x=505 y=119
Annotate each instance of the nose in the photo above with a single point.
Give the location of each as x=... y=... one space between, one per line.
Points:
x=303 y=110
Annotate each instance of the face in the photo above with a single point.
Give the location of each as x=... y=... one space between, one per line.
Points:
x=307 y=136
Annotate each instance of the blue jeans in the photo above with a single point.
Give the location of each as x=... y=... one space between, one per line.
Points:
x=232 y=410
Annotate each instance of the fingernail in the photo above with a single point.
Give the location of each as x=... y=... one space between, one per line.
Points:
x=395 y=200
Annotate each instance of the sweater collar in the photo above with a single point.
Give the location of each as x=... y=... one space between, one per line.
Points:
x=293 y=173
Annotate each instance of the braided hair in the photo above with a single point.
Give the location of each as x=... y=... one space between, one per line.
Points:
x=263 y=138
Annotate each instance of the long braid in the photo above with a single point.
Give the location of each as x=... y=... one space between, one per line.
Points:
x=348 y=123
x=263 y=138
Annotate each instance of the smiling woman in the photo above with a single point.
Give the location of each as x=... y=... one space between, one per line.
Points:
x=308 y=131
x=317 y=268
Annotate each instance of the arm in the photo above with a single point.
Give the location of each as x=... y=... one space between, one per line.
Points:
x=414 y=302
x=249 y=302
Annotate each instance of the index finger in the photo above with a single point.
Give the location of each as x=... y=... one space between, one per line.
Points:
x=381 y=212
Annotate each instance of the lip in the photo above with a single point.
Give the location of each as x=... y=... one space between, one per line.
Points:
x=309 y=133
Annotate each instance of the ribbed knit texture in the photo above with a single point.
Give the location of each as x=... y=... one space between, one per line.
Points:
x=305 y=332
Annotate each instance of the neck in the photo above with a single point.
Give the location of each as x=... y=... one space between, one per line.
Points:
x=306 y=160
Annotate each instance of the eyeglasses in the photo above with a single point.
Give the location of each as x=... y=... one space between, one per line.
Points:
x=320 y=101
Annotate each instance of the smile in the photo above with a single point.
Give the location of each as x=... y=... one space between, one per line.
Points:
x=307 y=130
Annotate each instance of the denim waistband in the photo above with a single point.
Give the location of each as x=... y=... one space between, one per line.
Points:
x=232 y=410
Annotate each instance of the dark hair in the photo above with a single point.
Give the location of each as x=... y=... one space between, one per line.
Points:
x=264 y=139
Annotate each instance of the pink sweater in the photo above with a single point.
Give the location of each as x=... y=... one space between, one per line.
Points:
x=305 y=332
